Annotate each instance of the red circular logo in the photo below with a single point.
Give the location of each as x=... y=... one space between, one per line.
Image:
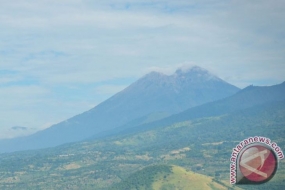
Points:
x=258 y=163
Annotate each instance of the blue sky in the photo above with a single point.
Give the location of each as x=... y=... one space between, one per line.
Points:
x=60 y=58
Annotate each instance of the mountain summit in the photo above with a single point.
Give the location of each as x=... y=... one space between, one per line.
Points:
x=195 y=74
x=153 y=93
x=184 y=89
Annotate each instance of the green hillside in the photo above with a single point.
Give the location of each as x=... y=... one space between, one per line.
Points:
x=200 y=145
x=163 y=177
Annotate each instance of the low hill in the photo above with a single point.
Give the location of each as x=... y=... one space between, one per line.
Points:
x=164 y=177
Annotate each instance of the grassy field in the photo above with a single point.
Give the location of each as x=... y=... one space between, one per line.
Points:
x=169 y=177
x=184 y=180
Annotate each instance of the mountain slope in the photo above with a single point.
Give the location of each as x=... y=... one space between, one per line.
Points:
x=153 y=93
x=245 y=98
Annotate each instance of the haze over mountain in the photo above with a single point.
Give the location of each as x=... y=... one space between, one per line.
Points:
x=153 y=93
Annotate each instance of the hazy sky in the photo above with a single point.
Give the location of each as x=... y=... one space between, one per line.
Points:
x=59 y=58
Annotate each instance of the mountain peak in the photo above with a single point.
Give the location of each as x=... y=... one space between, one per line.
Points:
x=193 y=69
x=191 y=72
x=195 y=73
x=154 y=93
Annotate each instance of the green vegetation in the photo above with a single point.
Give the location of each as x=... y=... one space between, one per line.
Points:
x=201 y=145
x=164 y=177
x=143 y=179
